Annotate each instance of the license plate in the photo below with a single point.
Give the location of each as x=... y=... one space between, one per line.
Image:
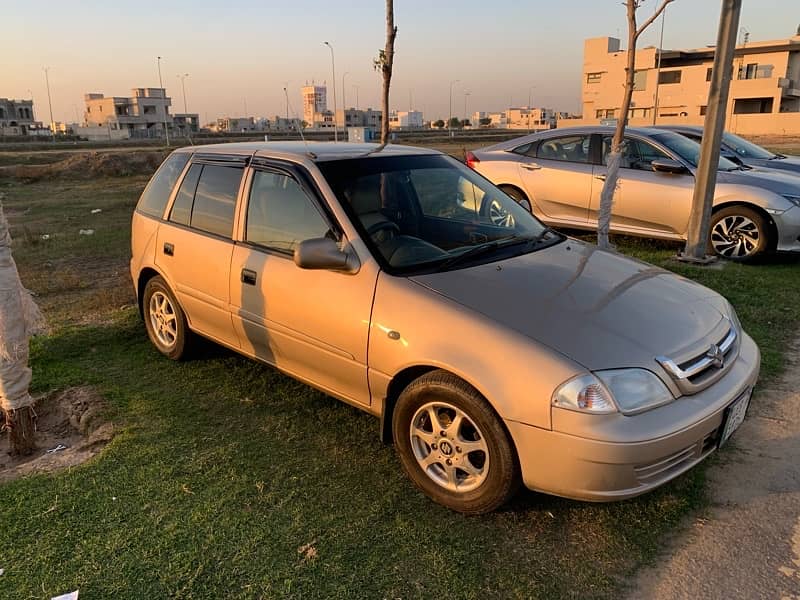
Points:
x=735 y=416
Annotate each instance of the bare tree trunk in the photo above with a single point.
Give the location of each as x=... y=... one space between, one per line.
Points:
x=387 y=62
x=615 y=154
x=19 y=319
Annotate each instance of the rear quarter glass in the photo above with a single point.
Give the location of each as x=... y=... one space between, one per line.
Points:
x=155 y=195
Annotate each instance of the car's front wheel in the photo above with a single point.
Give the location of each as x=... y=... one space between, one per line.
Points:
x=453 y=446
x=738 y=233
x=164 y=319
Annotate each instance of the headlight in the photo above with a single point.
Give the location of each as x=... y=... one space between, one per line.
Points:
x=635 y=390
x=628 y=391
x=792 y=198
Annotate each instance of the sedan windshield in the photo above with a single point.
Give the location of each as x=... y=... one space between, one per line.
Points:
x=746 y=149
x=689 y=150
x=430 y=212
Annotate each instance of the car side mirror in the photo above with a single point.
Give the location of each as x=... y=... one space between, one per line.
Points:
x=324 y=253
x=667 y=165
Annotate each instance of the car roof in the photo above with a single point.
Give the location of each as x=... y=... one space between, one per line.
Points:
x=679 y=128
x=584 y=129
x=316 y=151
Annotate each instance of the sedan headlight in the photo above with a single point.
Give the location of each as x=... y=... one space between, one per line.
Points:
x=792 y=198
x=628 y=391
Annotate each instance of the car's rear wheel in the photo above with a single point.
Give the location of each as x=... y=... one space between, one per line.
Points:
x=738 y=233
x=164 y=319
x=453 y=446
x=518 y=196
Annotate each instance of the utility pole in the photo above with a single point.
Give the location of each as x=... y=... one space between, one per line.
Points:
x=658 y=65
x=706 y=176
x=49 y=103
x=356 y=88
x=183 y=89
x=163 y=91
x=466 y=116
x=333 y=71
x=450 y=118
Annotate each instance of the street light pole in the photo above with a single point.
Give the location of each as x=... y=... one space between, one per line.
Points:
x=333 y=71
x=183 y=89
x=530 y=89
x=466 y=116
x=356 y=88
x=49 y=102
x=161 y=85
x=344 y=91
x=450 y=118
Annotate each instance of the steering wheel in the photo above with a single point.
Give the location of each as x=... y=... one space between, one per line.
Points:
x=389 y=226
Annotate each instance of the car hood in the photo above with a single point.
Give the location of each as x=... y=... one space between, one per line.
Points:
x=598 y=308
x=771 y=179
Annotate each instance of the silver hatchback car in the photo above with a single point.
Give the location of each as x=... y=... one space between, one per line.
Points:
x=494 y=350
x=559 y=175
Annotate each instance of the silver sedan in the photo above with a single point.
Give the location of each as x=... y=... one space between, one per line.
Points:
x=559 y=175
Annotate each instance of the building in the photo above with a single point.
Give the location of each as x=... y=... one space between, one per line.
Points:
x=234 y=125
x=186 y=123
x=671 y=86
x=315 y=103
x=527 y=117
x=355 y=117
x=405 y=119
x=16 y=117
x=142 y=115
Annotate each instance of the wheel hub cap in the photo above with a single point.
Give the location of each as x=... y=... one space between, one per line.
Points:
x=735 y=236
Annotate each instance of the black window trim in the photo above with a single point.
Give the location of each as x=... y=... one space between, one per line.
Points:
x=300 y=175
x=172 y=193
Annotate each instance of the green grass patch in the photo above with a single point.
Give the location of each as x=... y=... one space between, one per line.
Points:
x=230 y=480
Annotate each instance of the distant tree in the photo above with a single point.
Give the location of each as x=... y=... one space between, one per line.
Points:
x=438 y=124
x=384 y=64
x=304 y=124
x=485 y=121
x=466 y=123
x=455 y=123
x=615 y=154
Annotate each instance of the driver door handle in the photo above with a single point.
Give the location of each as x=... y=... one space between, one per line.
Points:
x=531 y=166
x=248 y=277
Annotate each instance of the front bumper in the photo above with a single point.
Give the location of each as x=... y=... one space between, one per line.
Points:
x=788 y=225
x=646 y=452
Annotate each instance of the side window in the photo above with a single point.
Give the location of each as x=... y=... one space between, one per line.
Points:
x=155 y=195
x=573 y=148
x=636 y=154
x=182 y=207
x=280 y=214
x=215 y=199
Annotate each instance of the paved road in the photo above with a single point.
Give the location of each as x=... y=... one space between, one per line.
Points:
x=748 y=545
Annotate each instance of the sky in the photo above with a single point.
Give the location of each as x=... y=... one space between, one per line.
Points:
x=239 y=55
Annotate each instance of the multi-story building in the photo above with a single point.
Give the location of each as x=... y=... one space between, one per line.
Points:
x=142 y=115
x=671 y=86
x=405 y=119
x=234 y=125
x=532 y=118
x=355 y=117
x=315 y=103
x=16 y=117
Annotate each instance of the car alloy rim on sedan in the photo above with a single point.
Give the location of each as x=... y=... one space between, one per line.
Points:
x=449 y=447
x=163 y=319
x=735 y=236
x=499 y=216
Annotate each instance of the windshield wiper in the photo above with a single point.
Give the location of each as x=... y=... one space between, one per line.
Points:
x=504 y=242
x=777 y=157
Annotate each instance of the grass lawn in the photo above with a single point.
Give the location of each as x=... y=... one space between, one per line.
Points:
x=230 y=480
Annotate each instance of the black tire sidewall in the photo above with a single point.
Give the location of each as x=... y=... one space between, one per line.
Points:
x=518 y=197
x=157 y=284
x=502 y=479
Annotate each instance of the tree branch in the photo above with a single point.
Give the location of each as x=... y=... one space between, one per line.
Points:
x=655 y=15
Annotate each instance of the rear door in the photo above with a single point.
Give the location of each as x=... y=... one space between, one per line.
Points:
x=557 y=176
x=313 y=324
x=194 y=246
x=646 y=202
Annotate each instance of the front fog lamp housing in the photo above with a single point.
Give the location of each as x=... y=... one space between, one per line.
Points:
x=585 y=394
x=635 y=390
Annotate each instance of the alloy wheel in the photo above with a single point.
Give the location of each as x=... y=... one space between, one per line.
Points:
x=163 y=319
x=499 y=216
x=735 y=236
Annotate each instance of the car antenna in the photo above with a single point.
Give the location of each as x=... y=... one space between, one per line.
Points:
x=299 y=125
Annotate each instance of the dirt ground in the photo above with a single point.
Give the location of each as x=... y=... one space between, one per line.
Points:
x=70 y=429
x=748 y=545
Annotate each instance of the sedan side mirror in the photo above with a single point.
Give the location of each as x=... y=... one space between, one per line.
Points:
x=324 y=253
x=667 y=165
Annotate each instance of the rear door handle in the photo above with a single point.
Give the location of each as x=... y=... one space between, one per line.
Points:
x=169 y=249
x=531 y=166
x=600 y=177
x=248 y=277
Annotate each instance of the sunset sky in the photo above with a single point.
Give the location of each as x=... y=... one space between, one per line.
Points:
x=239 y=53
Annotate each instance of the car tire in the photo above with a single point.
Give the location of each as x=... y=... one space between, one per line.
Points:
x=165 y=320
x=518 y=196
x=738 y=233
x=472 y=468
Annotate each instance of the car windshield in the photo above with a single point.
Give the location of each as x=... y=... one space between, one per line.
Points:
x=430 y=212
x=746 y=149
x=689 y=150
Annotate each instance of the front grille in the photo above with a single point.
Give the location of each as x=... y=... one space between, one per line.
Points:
x=666 y=467
x=696 y=372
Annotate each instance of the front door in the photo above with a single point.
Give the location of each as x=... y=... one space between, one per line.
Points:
x=312 y=324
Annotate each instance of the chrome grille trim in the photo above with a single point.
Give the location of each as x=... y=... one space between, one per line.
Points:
x=698 y=365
